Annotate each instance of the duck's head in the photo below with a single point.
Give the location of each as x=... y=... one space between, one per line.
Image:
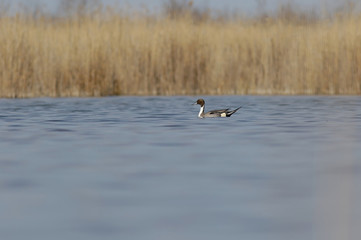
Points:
x=199 y=102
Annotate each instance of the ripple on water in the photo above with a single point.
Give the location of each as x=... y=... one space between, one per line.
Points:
x=60 y=130
x=17 y=184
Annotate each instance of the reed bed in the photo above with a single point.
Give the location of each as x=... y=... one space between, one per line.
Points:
x=111 y=54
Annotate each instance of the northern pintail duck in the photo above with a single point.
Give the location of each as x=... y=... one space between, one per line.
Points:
x=214 y=113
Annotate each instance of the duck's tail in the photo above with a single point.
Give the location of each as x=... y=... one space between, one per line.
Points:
x=229 y=113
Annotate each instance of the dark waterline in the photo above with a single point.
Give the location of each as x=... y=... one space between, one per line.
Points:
x=148 y=168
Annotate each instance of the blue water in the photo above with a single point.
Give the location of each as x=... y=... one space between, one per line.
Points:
x=148 y=168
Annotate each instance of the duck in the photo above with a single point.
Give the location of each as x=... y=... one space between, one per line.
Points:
x=214 y=113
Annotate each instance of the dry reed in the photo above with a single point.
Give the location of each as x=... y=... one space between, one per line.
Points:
x=102 y=55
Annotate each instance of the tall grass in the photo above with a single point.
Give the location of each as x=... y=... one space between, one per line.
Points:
x=112 y=54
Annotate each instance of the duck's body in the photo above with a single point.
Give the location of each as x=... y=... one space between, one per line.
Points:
x=214 y=113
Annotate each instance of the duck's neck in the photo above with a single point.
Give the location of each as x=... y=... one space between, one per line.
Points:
x=201 y=112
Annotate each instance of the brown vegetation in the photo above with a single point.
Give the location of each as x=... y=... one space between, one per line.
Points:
x=104 y=53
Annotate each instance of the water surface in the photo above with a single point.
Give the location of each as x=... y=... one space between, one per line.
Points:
x=148 y=168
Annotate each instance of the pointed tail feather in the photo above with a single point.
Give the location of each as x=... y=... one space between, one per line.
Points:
x=233 y=111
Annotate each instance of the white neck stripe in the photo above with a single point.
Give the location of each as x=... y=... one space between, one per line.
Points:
x=201 y=111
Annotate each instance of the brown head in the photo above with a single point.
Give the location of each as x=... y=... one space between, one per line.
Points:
x=200 y=102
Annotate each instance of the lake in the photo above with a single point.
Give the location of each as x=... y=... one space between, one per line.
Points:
x=281 y=167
